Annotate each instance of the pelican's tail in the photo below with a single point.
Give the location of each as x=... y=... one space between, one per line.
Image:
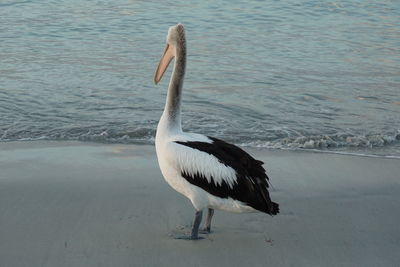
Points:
x=275 y=208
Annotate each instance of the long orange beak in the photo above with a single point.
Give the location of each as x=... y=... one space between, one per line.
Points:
x=166 y=58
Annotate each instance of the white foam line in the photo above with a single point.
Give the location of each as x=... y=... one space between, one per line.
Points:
x=350 y=153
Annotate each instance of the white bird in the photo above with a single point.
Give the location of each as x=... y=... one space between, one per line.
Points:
x=210 y=172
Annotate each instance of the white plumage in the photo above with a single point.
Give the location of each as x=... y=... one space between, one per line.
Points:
x=174 y=159
x=191 y=161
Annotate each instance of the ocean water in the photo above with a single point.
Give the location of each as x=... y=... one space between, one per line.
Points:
x=313 y=75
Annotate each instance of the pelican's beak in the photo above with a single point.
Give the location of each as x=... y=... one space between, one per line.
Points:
x=166 y=58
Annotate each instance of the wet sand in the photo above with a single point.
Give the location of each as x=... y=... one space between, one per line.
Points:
x=79 y=204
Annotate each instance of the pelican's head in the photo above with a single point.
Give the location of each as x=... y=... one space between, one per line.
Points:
x=175 y=39
x=176 y=35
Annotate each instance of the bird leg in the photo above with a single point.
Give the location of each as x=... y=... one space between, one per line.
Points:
x=195 y=229
x=196 y=224
x=207 y=225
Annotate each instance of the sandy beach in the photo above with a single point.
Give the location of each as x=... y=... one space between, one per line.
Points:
x=80 y=204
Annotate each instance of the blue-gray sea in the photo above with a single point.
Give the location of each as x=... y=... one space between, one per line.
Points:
x=314 y=75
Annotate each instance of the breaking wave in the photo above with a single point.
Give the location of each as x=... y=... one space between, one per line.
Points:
x=330 y=141
x=371 y=144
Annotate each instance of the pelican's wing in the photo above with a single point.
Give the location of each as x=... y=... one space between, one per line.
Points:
x=224 y=170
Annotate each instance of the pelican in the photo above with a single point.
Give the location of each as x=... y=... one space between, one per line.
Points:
x=211 y=173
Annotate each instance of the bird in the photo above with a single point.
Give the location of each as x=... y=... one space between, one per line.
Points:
x=211 y=173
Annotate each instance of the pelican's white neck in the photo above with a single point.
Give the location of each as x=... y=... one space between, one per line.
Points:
x=172 y=110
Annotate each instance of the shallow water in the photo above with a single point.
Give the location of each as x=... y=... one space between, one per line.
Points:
x=305 y=74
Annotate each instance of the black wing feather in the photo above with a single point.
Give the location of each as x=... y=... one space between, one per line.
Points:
x=252 y=180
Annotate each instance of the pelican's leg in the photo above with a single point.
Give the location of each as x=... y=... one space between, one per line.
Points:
x=195 y=229
x=207 y=225
x=196 y=224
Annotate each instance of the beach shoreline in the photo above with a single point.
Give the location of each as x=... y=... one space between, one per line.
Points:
x=87 y=204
